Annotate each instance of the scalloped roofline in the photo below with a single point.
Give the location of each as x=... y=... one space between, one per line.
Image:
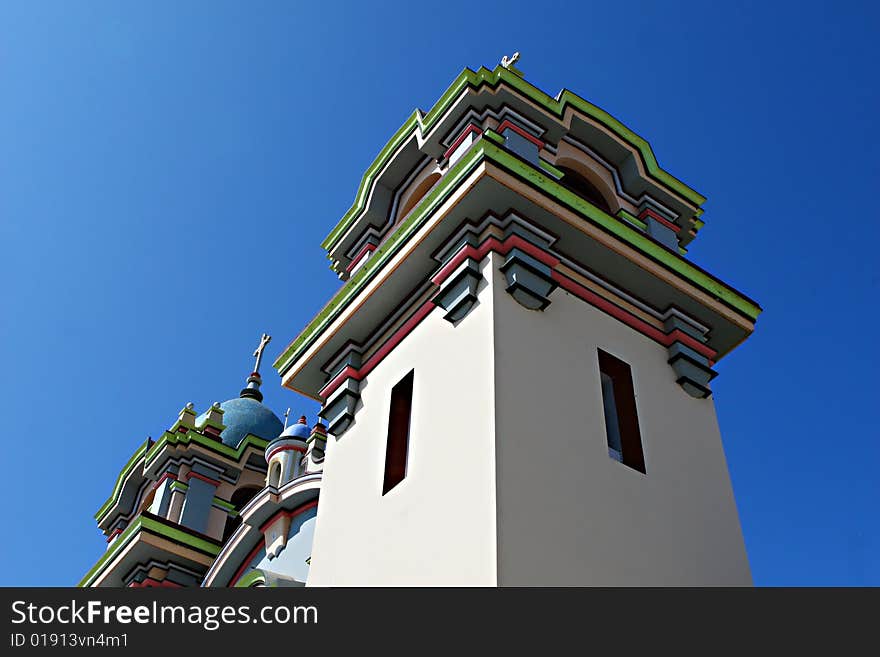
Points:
x=488 y=150
x=492 y=78
x=149 y=452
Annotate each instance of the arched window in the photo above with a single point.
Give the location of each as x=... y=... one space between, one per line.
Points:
x=584 y=188
x=416 y=195
x=243 y=495
x=239 y=499
x=148 y=500
x=274 y=475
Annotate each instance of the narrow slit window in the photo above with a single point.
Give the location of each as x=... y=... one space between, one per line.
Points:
x=275 y=475
x=398 y=433
x=621 y=418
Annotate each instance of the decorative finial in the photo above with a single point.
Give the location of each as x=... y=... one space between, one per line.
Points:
x=286 y=414
x=258 y=353
x=186 y=418
x=507 y=63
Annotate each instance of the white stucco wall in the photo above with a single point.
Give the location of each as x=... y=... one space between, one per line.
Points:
x=293 y=560
x=437 y=527
x=509 y=480
x=567 y=513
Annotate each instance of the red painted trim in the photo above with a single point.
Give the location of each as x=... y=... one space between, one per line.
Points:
x=401 y=333
x=648 y=212
x=630 y=320
x=190 y=474
x=696 y=345
x=347 y=372
x=290 y=514
x=492 y=244
x=149 y=582
x=285 y=448
x=376 y=358
x=214 y=432
x=165 y=475
x=368 y=248
x=611 y=309
x=477 y=253
x=113 y=534
x=262 y=542
x=250 y=557
x=507 y=124
x=503 y=248
x=471 y=128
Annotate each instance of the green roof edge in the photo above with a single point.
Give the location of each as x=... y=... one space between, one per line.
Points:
x=177 y=535
x=486 y=149
x=556 y=106
x=249 y=579
x=117 y=487
x=173 y=438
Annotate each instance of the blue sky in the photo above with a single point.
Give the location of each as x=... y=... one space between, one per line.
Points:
x=169 y=169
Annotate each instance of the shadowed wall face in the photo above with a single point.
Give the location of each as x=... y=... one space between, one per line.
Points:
x=567 y=512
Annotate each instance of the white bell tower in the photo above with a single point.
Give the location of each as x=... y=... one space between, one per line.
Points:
x=516 y=372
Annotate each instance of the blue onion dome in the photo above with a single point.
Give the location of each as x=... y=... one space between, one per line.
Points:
x=299 y=430
x=243 y=416
x=247 y=414
x=294 y=435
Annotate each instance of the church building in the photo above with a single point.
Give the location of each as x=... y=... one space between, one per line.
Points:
x=514 y=379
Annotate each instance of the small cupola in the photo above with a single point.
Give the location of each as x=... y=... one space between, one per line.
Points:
x=284 y=454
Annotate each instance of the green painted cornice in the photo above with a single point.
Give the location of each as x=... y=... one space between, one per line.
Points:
x=316 y=436
x=176 y=438
x=256 y=576
x=549 y=168
x=211 y=444
x=423 y=208
x=485 y=149
x=494 y=136
x=226 y=506
x=154 y=527
x=178 y=485
x=627 y=233
x=634 y=220
x=555 y=106
x=117 y=487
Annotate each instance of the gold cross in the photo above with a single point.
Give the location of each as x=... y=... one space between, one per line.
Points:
x=258 y=354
